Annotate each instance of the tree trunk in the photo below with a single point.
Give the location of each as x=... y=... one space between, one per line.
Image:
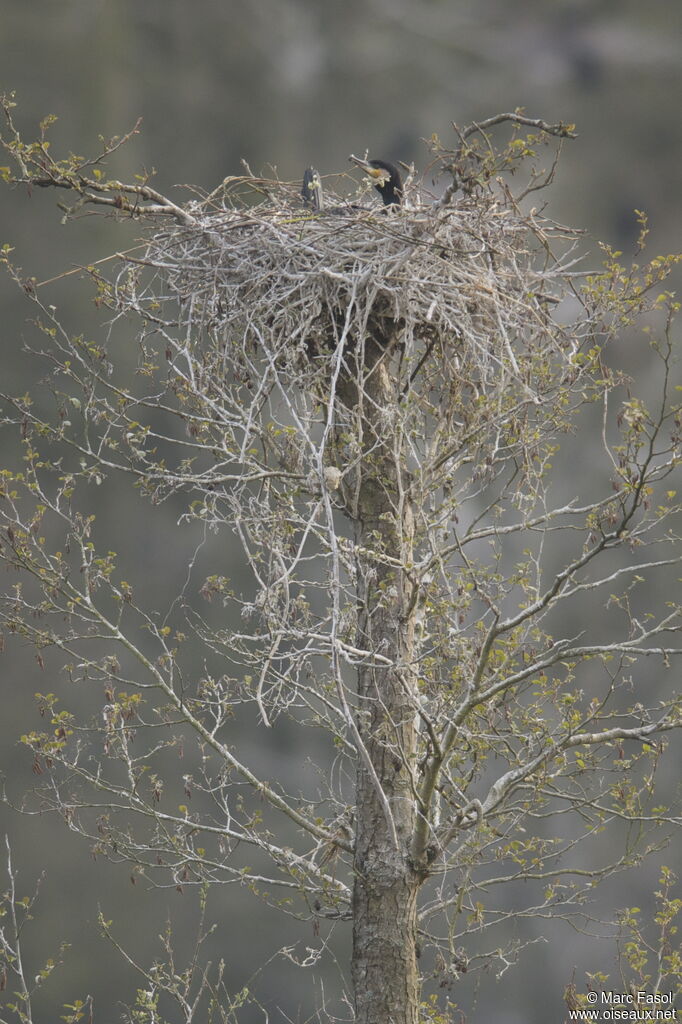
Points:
x=384 y=965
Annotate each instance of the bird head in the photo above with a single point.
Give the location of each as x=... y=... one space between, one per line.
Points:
x=385 y=177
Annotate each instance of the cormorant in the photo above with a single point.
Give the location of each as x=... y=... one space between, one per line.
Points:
x=312 y=189
x=386 y=178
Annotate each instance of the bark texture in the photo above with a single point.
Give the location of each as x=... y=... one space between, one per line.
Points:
x=384 y=965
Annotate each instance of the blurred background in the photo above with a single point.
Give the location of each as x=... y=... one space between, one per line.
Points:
x=287 y=83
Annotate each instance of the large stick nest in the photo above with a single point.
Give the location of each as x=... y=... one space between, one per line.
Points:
x=462 y=293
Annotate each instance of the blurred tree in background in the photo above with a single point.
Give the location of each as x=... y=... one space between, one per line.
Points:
x=290 y=83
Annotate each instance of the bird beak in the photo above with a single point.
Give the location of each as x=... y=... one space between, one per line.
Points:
x=378 y=174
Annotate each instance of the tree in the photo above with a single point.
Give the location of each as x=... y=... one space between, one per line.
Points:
x=371 y=403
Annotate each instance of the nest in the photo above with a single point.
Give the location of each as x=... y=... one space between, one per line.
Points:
x=461 y=295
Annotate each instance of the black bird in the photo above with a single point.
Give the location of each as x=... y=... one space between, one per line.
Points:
x=386 y=178
x=312 y=189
